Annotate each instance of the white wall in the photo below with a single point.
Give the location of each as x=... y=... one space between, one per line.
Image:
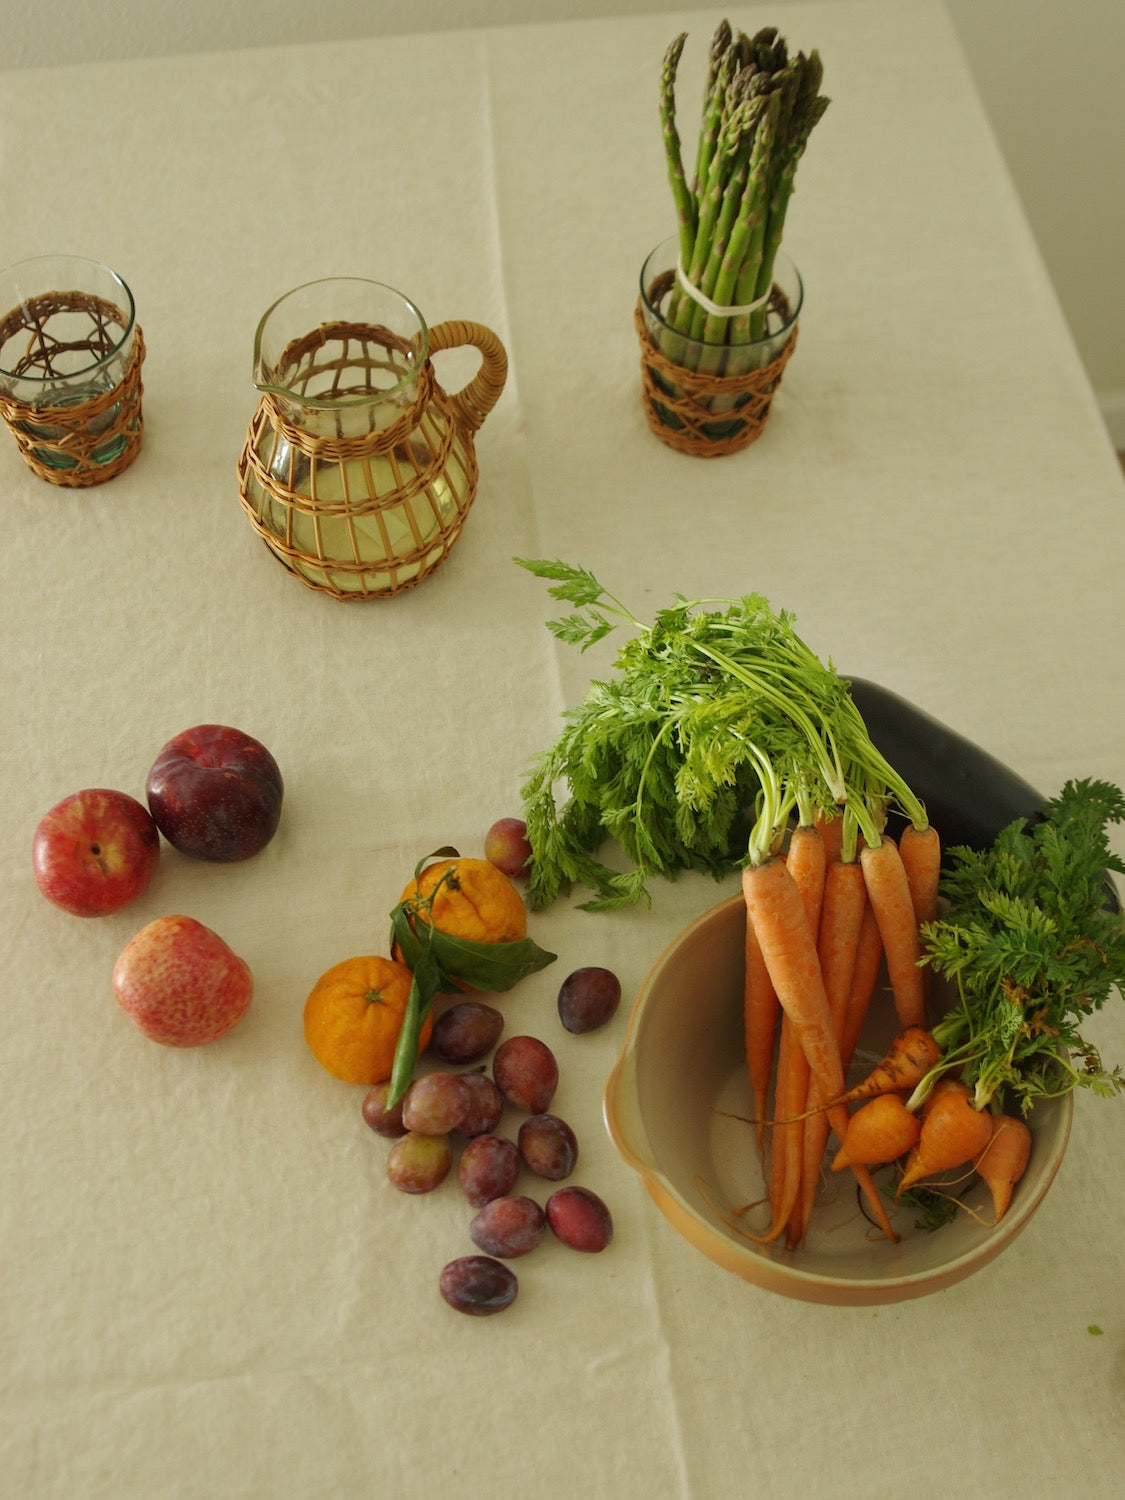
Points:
x=1052 y=78
x=1051 y=75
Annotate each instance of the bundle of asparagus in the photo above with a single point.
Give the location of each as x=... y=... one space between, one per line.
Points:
x=759 y=108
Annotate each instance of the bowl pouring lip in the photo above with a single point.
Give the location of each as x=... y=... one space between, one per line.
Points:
x=619 y=1096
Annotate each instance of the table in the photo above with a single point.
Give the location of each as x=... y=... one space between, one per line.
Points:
x=208 y=1287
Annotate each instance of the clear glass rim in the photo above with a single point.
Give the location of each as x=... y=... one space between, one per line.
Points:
x=665 y=258
x=128 y=309
x=335 y=403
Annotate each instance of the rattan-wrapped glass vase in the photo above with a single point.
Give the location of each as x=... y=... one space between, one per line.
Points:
x=710 y=399
x=359 y=469
x=71 y=352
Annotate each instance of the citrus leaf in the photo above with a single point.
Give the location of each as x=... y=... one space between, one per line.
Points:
x=404 y=937
x=446 y=851
x=488 y=966
x=495 y=967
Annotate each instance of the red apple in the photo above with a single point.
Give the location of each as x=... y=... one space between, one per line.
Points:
x=95 y=851
x=181 y=984
x=215 y=793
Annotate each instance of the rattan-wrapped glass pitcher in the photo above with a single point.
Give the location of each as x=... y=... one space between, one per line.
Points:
x=358 y=469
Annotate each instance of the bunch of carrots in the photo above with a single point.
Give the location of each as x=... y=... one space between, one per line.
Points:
x=716 y=714
x=823 y=915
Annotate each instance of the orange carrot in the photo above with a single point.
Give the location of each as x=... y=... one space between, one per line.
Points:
x=881 y=1130
x=760 y=1022
x=813 y=1141
x=806 y=861
x=841 y=919
x=889 y=895
x=784 y=1166
x=935 y=1092
x=906 y=1062
x=1004 y=1160
x=774 y=904
x=762 y=1016
x=790 y=1089
x=953 y=1132
x=920 y=851
x=831 y=834
x=868 y=960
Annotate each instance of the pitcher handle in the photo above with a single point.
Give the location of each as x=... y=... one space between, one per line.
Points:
x=474 y=401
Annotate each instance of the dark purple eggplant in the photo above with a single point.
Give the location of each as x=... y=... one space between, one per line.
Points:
x=969 y=794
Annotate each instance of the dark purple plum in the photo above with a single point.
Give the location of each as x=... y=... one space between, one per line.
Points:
x=383 y=1119
x=484 y=1108
x=478 y=1285
x=489 y=1168
x=419 y=1163
x=508 y=1227
x=436 y=1103
x=588 y=998
x=548 y=1146
x=579 y=1219
x=526 y=1073
x=506 y=846
x=466 y=1032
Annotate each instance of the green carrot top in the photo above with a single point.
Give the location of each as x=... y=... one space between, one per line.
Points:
x=719 y=725
x=1033 y=948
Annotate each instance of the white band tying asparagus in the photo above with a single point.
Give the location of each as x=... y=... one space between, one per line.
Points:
x=714 y=308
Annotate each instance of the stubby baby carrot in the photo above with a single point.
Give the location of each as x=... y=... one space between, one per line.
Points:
x=880 y=1131
x=953 y=1132
x=1004 y=1160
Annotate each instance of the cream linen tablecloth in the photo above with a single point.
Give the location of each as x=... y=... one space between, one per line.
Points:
x=208 y=1290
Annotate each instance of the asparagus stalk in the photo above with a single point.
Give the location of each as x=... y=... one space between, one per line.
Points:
x=716 y=53
x=808 y=107
x=748 y=288
x=681 y=194
x=709 y=190
x=759 y=108
x=749 y=230
x=735 y=166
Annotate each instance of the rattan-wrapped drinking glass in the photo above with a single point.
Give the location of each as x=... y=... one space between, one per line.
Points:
x=71 y=353
x=709 y=399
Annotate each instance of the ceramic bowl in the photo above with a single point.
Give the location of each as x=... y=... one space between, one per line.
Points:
x=677 y=1105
